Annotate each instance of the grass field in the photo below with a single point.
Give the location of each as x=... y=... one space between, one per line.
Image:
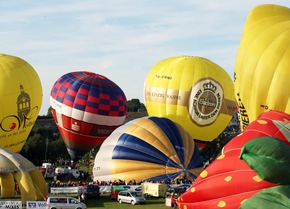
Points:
x=106 y=202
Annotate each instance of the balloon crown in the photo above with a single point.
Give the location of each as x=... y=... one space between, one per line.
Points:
x=209 y=87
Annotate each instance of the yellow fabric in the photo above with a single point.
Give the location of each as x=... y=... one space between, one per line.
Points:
x=25 y=185
x=147 y=131
x=41 y=190
x=262 y=66
x=136 y=170
x=7 y=185
x=21 y=98
x=179 y=88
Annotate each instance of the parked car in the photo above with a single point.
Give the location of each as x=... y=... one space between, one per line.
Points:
x=182 y=188
x=75 y=173
x=62 y=173
x=59 y=202
x=131 y=197
x=93 y=190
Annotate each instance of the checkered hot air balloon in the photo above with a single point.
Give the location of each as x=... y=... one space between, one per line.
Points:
x=86 y=107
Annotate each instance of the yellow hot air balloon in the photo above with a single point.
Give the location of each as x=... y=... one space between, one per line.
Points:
x=14 y=168
x=21 y=98
x=193 y=92
x=262 y=70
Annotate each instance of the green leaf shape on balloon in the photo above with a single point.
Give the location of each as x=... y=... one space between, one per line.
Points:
x=271 y=198
x=269 y=158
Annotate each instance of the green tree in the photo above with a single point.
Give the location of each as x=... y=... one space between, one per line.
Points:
x=49 y=114
x=134 y=105
x=44 y=145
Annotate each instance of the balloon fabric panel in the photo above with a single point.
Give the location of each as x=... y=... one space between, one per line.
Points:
x=143 y=171
x=270 y=162
x=263 y=56
x=147 y=149
x=193 y=92
x=86 y=107
x=21 y=99
x=129 y=147
x=275 y=197
x=229 y=181
x=146 y=129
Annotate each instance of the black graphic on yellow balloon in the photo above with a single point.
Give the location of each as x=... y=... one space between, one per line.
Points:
x=21 y=98
x=193 y=92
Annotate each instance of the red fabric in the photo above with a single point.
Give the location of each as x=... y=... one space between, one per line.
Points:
x=228 y=180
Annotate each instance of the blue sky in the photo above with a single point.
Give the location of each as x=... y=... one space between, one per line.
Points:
x=120 y=39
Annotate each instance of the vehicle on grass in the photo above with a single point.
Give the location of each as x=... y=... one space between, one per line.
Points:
x=93 y=191
x=83 y=175
x=62 y=173
x=47 y=170
x=150 y=189
x=131 y=197
x=59 y=202
x=179 y=189
x=75 y=173
x=182 y=188
x=173 y=193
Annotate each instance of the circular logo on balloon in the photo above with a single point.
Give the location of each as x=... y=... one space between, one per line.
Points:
x=205 y=101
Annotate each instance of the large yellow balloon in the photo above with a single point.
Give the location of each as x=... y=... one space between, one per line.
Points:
x=262 y=70
x=21 y=98
x=192 y=91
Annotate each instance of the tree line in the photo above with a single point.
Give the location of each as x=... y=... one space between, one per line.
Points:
x=45 y=143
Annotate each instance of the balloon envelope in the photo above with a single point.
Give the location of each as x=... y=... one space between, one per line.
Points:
x=86 y=107
x=149 y=148
x=262 y=64
x=193 y=92
x=15 y=168
x=20 y=103
x=230 y=179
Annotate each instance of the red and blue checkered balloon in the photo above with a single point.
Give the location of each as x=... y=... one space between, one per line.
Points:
x=87 y=108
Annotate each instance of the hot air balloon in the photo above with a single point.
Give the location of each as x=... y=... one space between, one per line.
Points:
x=193 y=92
x=254 y=165
x=86 y=107
x=262 y=64
x=16 y=168
x=21 y=98
x=150 y=149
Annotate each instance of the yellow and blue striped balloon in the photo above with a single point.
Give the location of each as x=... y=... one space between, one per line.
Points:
x=149 y=148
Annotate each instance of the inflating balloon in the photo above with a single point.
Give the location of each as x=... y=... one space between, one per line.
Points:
x=193 y=92
x=20 y=103
x=14 y=168
x=254 y=165
x=149 y=149
x=263 y=61
x=86 y=107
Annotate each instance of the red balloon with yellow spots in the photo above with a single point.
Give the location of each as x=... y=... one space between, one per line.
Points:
x=232 y=179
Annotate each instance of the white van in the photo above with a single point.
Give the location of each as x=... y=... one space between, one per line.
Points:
x=62 y=173
x=64 y=203
x=75 y=173
x=131 y=197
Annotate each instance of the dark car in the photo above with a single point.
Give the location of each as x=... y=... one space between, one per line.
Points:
x=182 y=188
x=93 y=191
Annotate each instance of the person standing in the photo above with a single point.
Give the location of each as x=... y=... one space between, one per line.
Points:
x=83 y=197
